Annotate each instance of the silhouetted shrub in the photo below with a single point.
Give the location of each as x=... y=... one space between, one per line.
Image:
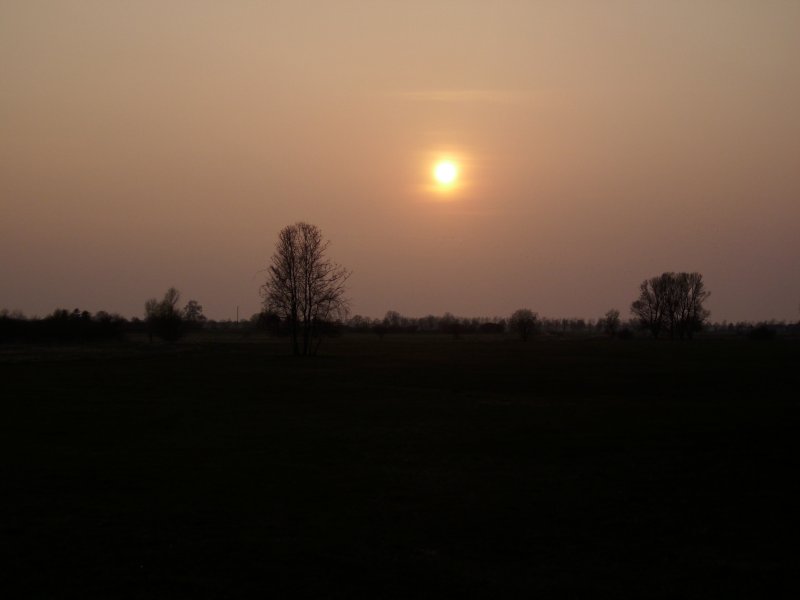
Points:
x=761 y=333
x=625 y=334
x=491 y=328
x=269 y=322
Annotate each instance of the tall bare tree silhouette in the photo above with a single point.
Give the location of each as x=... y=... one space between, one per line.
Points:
x=304 y=287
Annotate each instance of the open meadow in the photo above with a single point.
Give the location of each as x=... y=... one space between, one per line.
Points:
x=410 y=466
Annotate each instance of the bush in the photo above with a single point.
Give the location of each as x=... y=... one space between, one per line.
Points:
x=625 y=334
x=762 y=333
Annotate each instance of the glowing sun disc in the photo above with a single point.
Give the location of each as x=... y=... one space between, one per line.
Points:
x=445 y=172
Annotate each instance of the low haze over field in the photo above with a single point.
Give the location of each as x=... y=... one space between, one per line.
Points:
x=591 y=145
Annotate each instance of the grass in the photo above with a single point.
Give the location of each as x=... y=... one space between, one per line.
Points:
x=405 y=467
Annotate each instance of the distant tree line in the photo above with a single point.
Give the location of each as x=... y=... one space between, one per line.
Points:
x=61 y=326
x=163 y=319
x=77 y=326
x=303 y=300
x=393 y=323
x=523 y=322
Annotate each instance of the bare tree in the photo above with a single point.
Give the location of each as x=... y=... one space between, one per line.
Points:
x=672 y=302
x=304 y=287
x=524 y=322
x=611 y=322
x=691 y=315
x=163 y=317
x=451 y=324
x=193 y=313
x=650 y=307
x=393 y=320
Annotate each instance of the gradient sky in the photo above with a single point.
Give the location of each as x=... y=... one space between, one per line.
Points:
x=164 y=143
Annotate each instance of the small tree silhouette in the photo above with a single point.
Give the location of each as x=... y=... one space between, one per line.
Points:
x=192 y=313
x=163 y=317
x=524 y=322
x=611 y=322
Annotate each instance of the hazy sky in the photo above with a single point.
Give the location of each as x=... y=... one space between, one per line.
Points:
x=165 y=143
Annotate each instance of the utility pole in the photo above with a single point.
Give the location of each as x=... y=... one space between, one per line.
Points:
x=237 y=314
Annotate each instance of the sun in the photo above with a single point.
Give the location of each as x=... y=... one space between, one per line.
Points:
x=445 y=172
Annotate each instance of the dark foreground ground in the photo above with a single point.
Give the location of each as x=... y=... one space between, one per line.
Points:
x=401 y=468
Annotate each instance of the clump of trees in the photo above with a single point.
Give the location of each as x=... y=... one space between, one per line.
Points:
x=165 y=320
x=672 y=303
x=304 y=287
x=163 y=317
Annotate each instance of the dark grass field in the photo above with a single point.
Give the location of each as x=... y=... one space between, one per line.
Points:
x=401 y=468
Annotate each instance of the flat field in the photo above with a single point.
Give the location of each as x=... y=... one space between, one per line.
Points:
x=407 y=467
